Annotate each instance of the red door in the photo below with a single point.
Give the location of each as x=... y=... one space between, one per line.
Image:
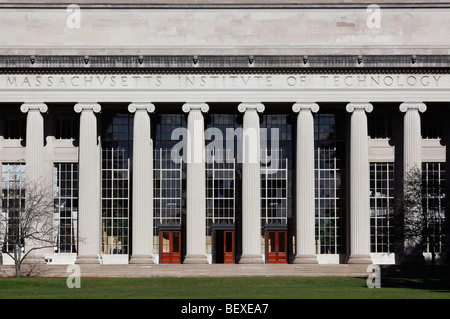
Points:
x=228 y=247
x=276 y=246
x=170 y=243
x=223 y=246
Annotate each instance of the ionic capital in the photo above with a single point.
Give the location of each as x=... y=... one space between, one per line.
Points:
x=308 y=106
x=408 y=106
x=246 y=106
x=94 y=107
x=41 y=107
x=359 y=106
x=134 y=107
x=203 y=107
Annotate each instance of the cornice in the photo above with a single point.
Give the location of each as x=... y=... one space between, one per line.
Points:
x=196 y=5
x=226 y=64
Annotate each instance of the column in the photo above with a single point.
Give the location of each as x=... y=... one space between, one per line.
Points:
x=412 y=138
x=251 y=184
x=39 y=184
x=305 y=181
x=142 y=249
x=359 y=184
x=195 y=185
x=412 y=161
x=89 y=188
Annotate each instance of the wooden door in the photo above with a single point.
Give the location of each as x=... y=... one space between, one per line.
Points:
x=170 y=247
x=276 y=246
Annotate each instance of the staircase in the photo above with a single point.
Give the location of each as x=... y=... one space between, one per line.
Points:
x=190 y=270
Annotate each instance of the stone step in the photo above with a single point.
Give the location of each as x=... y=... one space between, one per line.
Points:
x=189 y=270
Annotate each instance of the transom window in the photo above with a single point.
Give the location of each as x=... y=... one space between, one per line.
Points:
x=276 y=169
x=167 y=188
x=220 y=194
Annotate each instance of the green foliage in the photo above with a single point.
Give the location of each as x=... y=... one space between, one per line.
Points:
x=413 y=213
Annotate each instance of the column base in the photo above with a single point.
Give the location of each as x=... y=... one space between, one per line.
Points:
x=88 y=259
x=195 y=259
x=306 y=259
x=251 y=259
x=141 y=259
x=360 y=259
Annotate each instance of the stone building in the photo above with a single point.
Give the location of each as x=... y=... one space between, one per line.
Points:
x=240 y=132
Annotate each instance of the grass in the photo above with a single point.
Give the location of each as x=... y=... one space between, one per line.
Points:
x=223 y=288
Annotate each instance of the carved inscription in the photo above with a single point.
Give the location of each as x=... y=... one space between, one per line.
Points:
x=229 y=81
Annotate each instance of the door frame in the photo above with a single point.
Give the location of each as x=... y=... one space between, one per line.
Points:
x=224 y=228
x=169 y=228
x=276 y=228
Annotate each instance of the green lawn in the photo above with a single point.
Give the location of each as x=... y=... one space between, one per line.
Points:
x=218 y=288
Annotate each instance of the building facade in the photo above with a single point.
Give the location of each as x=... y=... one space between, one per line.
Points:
x=232 y=133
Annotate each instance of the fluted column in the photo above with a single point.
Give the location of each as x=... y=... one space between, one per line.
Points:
x=412 y=165
x=359 y=184
x=38 y=179
x=305 y=184
x=142 y=249
x=412 y=138
x=88 y=186
x=251 y=184
x=35 y=140
x=195 y=185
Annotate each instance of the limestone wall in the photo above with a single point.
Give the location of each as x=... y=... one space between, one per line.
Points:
x=226 y=30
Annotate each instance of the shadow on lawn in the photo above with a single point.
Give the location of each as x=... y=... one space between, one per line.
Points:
x=434 y=284
x=422 y=277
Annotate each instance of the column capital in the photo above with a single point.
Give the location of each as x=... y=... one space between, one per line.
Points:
x=309 y=106
x=406 y=106
x=368 y=107
x=245 y=106
x=200 y=106
x=95 y=107
x=42 y=107
x=134 y=107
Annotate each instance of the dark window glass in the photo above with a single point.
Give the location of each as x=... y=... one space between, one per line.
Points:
x=379 y=126
x=329 y=142
x=15 y=127
x=433 y=204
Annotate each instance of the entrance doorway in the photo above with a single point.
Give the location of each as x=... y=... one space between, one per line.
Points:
x=276 y=246
x=170 y=247
x=223 y=252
